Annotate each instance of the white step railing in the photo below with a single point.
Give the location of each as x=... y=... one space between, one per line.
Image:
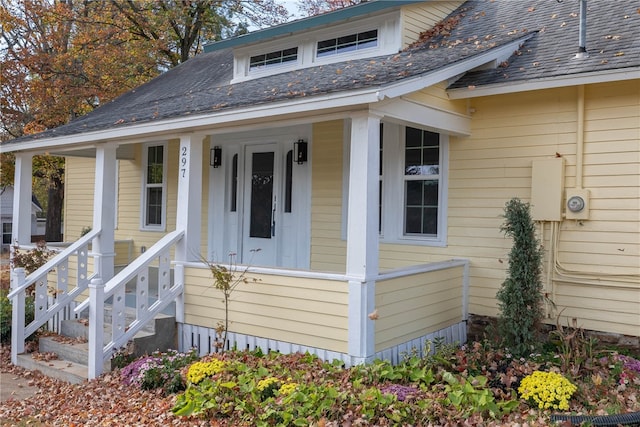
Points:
x=49 y=301
x=146 y=311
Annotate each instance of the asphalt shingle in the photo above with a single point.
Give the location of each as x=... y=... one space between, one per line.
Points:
x=201 y=85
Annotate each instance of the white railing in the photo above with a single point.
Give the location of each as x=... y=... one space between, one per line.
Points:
x=49 y=301
x=115 y=289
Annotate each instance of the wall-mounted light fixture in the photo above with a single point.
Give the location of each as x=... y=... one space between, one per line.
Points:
x=215 y=157
x=300 y=151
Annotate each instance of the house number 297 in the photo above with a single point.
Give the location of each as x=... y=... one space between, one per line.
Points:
x=183 y=161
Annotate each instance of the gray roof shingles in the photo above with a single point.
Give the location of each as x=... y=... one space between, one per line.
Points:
x=201 y=85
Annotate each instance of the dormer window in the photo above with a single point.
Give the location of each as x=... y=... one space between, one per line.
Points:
x=347 y=43
x=270 y=59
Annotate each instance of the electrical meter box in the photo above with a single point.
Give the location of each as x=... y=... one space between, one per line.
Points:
x=547 y=189
x=577 y=204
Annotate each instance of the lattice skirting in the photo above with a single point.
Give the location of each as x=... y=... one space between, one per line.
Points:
x=204 y=339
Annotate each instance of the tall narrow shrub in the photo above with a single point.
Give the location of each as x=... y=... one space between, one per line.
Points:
x=520 y=298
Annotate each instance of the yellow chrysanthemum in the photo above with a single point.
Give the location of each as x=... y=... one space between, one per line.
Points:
x=287 y=389
x=266 y=383
x=201 y=370
x=547 y=390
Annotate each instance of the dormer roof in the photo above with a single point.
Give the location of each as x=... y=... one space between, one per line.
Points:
x=292 y=28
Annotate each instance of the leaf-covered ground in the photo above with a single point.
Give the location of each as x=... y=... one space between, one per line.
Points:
x=108 y=401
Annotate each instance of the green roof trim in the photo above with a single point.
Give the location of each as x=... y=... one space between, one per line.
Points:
x=306 y=24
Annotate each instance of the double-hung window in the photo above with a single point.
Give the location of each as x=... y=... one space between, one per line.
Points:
x=421 y=182
x=6 y=233
x=154 y=187
x=412 y=185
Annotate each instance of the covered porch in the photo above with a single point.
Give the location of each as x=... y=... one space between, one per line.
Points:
x=308 y=231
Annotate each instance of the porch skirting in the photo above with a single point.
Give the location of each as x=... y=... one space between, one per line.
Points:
x=202 y=338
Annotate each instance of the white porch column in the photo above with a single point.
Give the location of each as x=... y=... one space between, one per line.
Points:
x=21 y=223
x=104 y=210
x=189 y=209
x=362 y=234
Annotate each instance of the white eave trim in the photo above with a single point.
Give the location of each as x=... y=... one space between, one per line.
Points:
x=185 y=124
x=546 y=83
x=414 y=84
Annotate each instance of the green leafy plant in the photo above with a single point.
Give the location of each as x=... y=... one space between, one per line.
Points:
x=520 y=297
x=471 y=395
x=6 y=313
x=547 y=390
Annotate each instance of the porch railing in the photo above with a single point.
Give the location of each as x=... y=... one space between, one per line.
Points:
x=49 y=301
x=145 y=311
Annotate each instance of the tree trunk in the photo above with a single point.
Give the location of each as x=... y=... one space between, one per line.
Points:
x=55 y=198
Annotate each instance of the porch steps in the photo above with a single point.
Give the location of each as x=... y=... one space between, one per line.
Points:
x=71 y=364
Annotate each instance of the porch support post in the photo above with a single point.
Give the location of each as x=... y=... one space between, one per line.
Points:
x=21 y=223
x=362 y=234
x=189 y=209
x=104 y=211
x=96 y=328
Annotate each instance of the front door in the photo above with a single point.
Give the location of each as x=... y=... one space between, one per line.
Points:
x=261 y=197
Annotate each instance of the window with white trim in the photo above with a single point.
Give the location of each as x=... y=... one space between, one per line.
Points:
x=348 y=43
x=421 y=182
x=270 y=59
x=6 y=233
x=154 y=187
x=412 y=189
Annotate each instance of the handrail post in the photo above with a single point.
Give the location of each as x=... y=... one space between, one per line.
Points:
x=17 y=316
x=96 y=329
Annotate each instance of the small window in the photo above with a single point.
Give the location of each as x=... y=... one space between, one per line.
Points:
x=273 y=58
x=154 y=187
x=421 y=182
x=348 y=43
x=6 y=233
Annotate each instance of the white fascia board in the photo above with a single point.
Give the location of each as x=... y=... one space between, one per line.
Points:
x=162 y=128
x=410 y=112
x=441 y=74
x=547 y=83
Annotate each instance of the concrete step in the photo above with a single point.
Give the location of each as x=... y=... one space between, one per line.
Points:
x=72 y=348
x=64 y=370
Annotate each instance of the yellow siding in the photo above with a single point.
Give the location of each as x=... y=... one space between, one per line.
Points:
x=494 y=165
x=420 y=17
x=78 y=196
x=328 y=250
x=305 y=311
x=130 y=194
x=436 y=96
x=414 y=306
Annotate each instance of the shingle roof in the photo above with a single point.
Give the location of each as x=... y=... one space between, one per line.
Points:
x=612 y=42
x=201 y=85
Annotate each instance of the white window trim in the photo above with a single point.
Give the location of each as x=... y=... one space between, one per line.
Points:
x=143 y=197
x=392 y=230
x=389 y=42
x=242 y=60
x=352 y=54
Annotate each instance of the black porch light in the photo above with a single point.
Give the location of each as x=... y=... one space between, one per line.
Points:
x=300 y=151
x=215 y=157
